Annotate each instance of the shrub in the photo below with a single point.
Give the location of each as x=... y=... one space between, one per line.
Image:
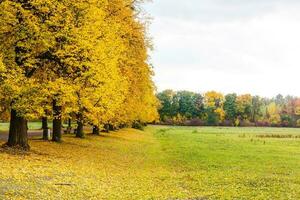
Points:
x=138 y=125
x=179 y=120
x=262 y=123
x=246 y=123
x=286 y=121
x=226 y=123
x=194 y=122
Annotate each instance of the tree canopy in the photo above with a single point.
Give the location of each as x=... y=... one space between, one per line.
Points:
x=213 y=108
x=82 y=59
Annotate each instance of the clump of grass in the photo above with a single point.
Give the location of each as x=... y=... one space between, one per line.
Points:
x=282 y=136
x=138 y=126
x=163 y=130
x=195 y=131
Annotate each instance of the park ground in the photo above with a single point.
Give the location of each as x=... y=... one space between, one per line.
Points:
x=158 y=163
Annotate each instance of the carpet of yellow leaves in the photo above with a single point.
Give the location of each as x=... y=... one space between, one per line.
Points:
x=114 y=166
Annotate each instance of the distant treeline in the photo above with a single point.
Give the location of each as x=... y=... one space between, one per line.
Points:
x=213 y=109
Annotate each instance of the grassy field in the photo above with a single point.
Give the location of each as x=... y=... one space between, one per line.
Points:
x=159 y=163
x=31 y=125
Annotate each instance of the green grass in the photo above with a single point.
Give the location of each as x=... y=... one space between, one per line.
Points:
x=160 y=163
x=233 y=163
x=31 y=126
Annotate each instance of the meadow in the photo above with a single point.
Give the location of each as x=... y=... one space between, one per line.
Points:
x=32 y=126
x=159 y=163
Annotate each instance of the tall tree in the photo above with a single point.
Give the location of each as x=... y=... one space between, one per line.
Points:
x=22 y=39
x=274 y=113
x=214 y=102
x=186 y=103
x=198 y=104
x=244 y=106
x=256 y=109
x=230 y=107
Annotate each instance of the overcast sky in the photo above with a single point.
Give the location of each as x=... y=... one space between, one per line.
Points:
x=243 y=46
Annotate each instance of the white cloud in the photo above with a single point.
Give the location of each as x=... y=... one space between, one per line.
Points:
x=256 y=54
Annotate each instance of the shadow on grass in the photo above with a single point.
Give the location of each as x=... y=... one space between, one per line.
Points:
x=4 y=149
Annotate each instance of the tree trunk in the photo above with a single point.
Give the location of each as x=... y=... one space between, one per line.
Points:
x=18 y=131
x=106 y=128
x=57 y=122
x=79 y=131
x=45 y=128
x=96 y=130
x=111 y=127
x=69 y=123
x=69 y=128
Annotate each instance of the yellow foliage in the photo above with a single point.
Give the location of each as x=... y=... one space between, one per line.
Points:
x=297 y=109
x=274 y=113
x=91 y=57
x=243 y=101
x=215 y=101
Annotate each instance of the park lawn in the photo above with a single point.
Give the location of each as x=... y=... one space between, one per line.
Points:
x=4 y=126
x=159 y=163
x=31 y=125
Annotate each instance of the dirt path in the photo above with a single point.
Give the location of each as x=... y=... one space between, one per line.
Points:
x=31 y=133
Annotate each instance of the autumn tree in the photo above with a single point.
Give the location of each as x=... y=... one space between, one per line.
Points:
x=273 y=113
x=84 y=57
x=139 y=104
x=214 y=102
x=22 y=40
x=244 y=106
x=246 y=109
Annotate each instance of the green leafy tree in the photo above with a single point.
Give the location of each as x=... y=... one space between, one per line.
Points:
x=166 y=109
x=256 y=111
x=187 y=104
x=198 y=106
x=230 y=107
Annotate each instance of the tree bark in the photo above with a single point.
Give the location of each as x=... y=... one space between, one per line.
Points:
x=57 y=122
x=106 y=128
x=96 y=130
x=69 y=128
x=18 y=136
x=45 y=128
x=69 y=123
x=111 y=127
x=79 y=131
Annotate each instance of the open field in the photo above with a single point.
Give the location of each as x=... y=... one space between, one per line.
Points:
x=31 y=126
x=159 y=163
x=4 y=127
